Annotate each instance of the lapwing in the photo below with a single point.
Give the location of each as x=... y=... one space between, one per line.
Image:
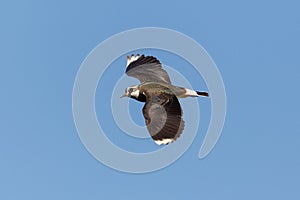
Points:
x=162 y=110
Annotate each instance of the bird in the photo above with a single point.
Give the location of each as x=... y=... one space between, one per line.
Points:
x=162 y=111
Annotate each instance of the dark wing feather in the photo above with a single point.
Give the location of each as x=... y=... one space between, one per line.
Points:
x=147 y=69
x=163 y=117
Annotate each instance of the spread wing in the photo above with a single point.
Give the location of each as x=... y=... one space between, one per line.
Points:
x=146 y=69
x=163 y=116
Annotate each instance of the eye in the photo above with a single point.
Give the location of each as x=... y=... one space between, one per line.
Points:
x=130 y=90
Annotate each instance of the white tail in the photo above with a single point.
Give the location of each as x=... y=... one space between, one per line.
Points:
x=191 y=93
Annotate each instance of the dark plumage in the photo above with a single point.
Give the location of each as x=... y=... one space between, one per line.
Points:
x=162 y=110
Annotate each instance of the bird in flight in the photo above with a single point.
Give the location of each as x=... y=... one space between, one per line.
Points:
x=162 y=110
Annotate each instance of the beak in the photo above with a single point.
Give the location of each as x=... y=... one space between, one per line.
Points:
x=123 y=95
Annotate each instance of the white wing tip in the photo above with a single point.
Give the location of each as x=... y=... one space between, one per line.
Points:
x=132 y=58
x=164 y=141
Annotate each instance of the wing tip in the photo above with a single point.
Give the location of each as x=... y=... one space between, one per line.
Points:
x=132 y=58
x=164 y=141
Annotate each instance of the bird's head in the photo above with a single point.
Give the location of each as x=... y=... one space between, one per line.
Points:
x=134 y=92
x=131 y=92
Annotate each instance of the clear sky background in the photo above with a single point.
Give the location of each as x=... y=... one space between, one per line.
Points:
x=255 y=45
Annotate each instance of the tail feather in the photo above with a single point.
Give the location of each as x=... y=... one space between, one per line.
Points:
x=202 y=93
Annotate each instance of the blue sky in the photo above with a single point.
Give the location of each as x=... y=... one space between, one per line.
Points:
x=255 y=45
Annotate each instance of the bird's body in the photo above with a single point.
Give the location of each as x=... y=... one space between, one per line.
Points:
x=162 y=111
x=160 y=88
